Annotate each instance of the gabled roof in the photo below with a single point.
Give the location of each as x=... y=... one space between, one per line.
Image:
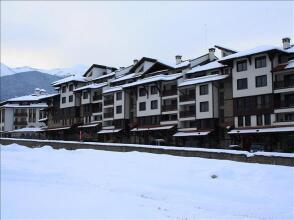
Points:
x=74 y=78
x=142 y=60
x=225 y=49
x=252 y=51
x=202 y=79
x=99 y=66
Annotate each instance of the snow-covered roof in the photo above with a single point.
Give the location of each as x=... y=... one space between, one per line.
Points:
x=187 y=134
x=123 y=71
x=104 y=76
x=91 y=86
x=156 y=78
x=202 y=79
x=111 y=89
x=255 y=50
x=209 y=66
x=69 y=79
x=32 y=97
x=125 y=77
x=261 y=130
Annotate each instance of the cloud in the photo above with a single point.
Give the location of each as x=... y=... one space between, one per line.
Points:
x=51 y=34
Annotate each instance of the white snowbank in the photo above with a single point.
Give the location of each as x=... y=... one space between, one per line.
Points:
x=45 y=183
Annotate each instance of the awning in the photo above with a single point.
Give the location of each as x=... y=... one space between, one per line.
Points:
x=43 y=119
x=186 y=134
x=153 y=128
x=24 y=130
x=261 y=130
x=88 y=126
x=108 y=131
x=56 y=129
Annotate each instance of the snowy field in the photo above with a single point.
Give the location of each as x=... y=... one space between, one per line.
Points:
x=45 y=183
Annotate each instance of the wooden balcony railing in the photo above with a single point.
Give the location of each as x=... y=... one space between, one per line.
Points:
x=169 y=92
x=185 y=98
x=186 y=114
x=108 y=102
x=284 y=84
x=108 y=115
x=166 y=108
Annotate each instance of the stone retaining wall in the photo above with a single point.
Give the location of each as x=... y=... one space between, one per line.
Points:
x=71 y=145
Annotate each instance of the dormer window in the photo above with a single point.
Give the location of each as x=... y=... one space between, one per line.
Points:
x=141 y=69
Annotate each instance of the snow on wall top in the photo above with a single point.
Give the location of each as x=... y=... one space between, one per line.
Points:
x=202 y=79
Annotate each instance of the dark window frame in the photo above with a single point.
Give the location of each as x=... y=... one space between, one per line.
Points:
x=204 y=106
x=203 y=89
x=118 y=109
x=241 y=85
x=154 y=106
x=241 y=65
x=261 y=81
x=142 y=106
x=260 y=62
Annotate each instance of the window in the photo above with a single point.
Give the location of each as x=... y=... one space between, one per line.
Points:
x=63 y=89
x=204 y=89
x=142 y=92
x=85 y=95
x=142 y=106
x=240 y=121
x=70 y=98
x=153 y=90
x=261 y=81
x=247 y=120
x=267 y=119
x=260 y=62
x=154 y=104
x=118 y=109
x=242 y=84
x=242 y=66
x=70 y=88
x=63 y=100
x=203 y=106
x=119 y=96
x=259 y=119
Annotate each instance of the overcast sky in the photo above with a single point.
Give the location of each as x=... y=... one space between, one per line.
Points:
x=53 y=34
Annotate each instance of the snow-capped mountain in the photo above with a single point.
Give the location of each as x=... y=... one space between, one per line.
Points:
x=62 y=72
x=5 y=70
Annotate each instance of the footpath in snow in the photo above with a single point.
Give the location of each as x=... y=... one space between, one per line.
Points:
x=45 y=183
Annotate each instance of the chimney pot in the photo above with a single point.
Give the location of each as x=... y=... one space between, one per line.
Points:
x=135 y=61
x=178 y=59
x=211 y=54
x=286 y=42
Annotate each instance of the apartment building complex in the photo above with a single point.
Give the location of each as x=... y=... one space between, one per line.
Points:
x=28 y=111
x=243 y=98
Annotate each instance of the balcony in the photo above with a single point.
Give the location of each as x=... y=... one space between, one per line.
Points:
x=186 y=114
x=186 y=98
x=108 y=115
x=284 y=104
x=21 y=123
x=284 y=84
x=169 y=92
x=97 y=97
x=20 y=114
x=108 y=102
x=167 y=108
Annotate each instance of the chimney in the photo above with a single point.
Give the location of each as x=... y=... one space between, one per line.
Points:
x=211 y=54
x=122 y=67
x=286 y=42
x=178 y=59
x=135 y=61
x=42 y=92
x=37 y=91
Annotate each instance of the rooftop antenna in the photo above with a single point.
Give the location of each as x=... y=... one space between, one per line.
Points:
x=205 y=36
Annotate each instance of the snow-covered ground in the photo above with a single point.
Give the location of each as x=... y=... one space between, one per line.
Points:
x=46 y=183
